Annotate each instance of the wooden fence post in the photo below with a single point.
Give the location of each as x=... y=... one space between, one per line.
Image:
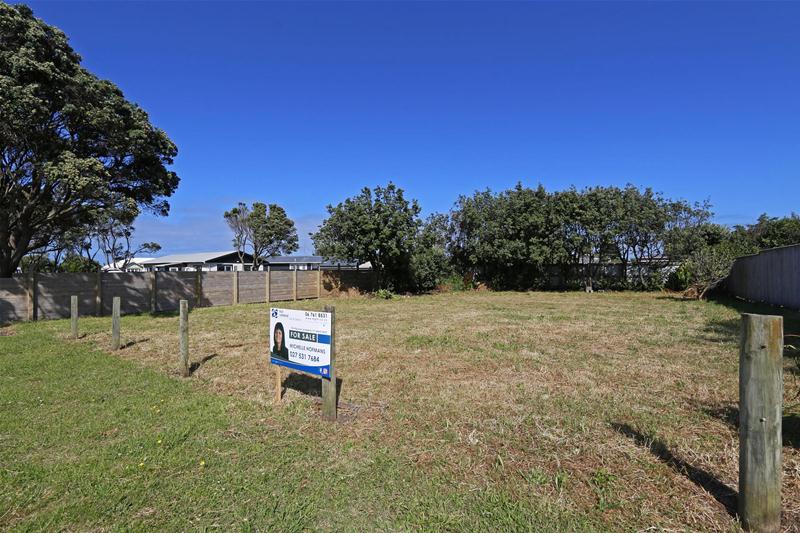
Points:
x=329 y=385
x=153 y=292
x=33 y=296
x=115 y=322
x=198 y=286
x=73 y=315
x=268 y=282
x=319 y=281
x=760 y=414
x=294 y=283
x=235 y=287
x=278 y=383
x=183 y=361
x=98 y=294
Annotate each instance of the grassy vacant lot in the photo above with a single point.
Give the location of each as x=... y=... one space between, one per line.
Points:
x=469 y=411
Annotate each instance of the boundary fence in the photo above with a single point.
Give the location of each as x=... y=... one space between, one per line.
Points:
x=41 y=296
x=771 y=276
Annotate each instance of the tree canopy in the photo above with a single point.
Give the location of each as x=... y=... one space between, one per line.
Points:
x=72 y=146
x=378 y=226
x=522 y=237
x=264 y=230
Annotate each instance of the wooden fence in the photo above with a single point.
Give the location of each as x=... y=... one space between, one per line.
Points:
x=44 y=296
x=772 y=276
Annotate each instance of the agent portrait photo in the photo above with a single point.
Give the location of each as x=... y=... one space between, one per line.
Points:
x=279 y=348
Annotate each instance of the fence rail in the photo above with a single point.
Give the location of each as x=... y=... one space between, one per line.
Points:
x=44 y=296
x=772 y=276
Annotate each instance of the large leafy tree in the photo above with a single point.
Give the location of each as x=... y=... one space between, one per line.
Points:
x=378 y=226
x=773 y=232
x=264 y=230
x=590 y=222
x=506 y=239
x=272 y=232
x=430 y=263
x=71 y=145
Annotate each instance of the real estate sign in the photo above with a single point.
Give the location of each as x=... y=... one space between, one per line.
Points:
x=301 y=340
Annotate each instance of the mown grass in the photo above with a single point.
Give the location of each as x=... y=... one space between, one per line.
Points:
x=487 y=411
x=93 y=442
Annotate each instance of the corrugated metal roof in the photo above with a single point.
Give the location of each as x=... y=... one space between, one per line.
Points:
x=197 y=257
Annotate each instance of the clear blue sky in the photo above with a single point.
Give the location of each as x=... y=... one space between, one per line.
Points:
x=304 y=104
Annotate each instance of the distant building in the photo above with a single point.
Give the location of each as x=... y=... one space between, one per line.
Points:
x=312 y=262
x=227 y=261
x=136 y=264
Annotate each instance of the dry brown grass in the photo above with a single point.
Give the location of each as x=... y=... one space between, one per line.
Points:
x=618 y=405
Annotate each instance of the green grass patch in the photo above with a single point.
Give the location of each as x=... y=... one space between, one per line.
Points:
x=89 y=441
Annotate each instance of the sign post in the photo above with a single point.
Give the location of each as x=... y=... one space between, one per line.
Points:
x=329 y=385
x=304 y=341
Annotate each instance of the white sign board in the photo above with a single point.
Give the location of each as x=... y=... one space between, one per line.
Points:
x=300 y=340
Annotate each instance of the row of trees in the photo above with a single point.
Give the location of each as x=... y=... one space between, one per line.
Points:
x=526 y=238
x=79 y=163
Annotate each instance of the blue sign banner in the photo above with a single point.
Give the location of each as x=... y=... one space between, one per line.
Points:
x=323 y=371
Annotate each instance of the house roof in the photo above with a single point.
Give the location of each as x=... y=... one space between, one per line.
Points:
x=292 y=259
x=313 y=259
x=197 y=257
x=116 y=265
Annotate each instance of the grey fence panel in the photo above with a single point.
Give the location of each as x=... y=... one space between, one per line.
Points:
x=172 y=287
x=133 y=289
x=217 y=288
x=55 y=290
x=772 y=276
x=96 y=292
x=252 y=287
x=13 y=300
x=280 y=287
x=307 y=283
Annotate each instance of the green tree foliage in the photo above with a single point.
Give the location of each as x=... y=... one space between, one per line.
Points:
x=78 y=263
x=430 y=262
x=72 y=145
x=113 y=234
x=708 y=266
x=378 y=226
x=271 y=232
x=506 y=239
x=37 y=263
x=238 y=221
x=772 y=232
x=264 y=230
x=516 y=238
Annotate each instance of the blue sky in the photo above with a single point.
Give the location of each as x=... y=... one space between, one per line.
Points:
x=302 y=104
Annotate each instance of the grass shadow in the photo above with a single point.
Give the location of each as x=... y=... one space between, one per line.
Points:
x=194 y=367
x=133 y=343
x=309 y=385
x=719 y=490
x=791 y=318
x=729 y=414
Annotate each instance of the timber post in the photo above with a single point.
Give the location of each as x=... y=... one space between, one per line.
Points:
x=760 y=417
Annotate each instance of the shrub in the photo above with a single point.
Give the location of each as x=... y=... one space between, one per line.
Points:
x=384 y=294
x=680 y=278
x=78 y=263
x=455 y=283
